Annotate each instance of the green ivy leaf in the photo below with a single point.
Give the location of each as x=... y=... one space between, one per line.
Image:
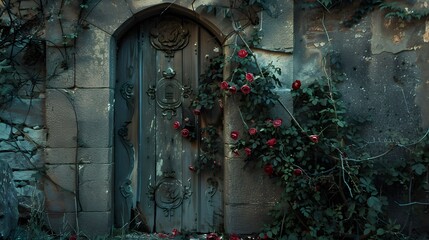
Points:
x=380 y=231
x=374 y=203
x=418 y=168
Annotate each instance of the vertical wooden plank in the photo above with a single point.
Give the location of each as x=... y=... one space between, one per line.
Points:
x=124 y=150
x=190 y=149
x=147 y=127
x=169 y=148
x=211 y=196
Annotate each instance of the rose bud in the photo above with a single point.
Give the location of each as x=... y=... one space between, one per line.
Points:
x=296 y=85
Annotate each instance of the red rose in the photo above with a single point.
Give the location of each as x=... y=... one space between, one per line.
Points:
x=314 y=138
x=224 y=85
x=242 y=53
x=176 y=125
x=253 y=131
x=271 y=142
x=234 y=237
x=162 y=235
x=277 y=122
x=245 y=89
x=248 y=151
x=250 y=77
x=268 y=169
x=297 y=172
x=234 y=135
x=212 y=236
x=73 y=237
x=192 y=169
x=232 y=89
x=197 y=111
x=175 y=232
x=296 y=85
x=185 y=133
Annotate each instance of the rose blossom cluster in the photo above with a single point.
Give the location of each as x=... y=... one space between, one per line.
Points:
x=184 y=131
x=245 y=89
x=270 y=143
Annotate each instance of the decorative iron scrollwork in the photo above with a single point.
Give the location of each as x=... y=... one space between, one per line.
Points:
x=169 y=36
x=169 y=193
x=127 y=93
x=169 y=92
x=126 y=189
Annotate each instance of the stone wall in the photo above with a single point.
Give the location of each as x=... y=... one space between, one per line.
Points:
x=63 y=131
x=8 y=201
x=79 y=117
x=22 y=127
x=386 y=78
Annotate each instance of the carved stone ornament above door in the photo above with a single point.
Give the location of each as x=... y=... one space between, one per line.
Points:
x=169 y=36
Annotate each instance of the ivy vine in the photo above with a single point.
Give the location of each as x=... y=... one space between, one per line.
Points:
x=332 y=188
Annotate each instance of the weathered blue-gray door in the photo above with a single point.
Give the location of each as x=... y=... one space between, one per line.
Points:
x=159 y=65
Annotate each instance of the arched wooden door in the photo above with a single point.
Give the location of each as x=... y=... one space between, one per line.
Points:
x=159 y=65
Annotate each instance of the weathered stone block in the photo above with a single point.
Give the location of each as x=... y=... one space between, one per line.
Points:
x=101 y=14
x=5 y=131
x=281 y=60
x=8 y=146
x=277 y=29
x=8 y=202
x=24 y=111
x=94 y=108
x=30 y=176
x=59 y=187
x=61 y=34
x=24 y=144
x=279 y=111
x=392 y=35
x=95 y=186
x=36 y=136
x=60 y=155
x=95 y=155
x=62 y=175
x=59 y=68
x=259 y=188
x=232 y=120
x=62 y=223
x=61 y=119
x=22 y=160
x=422 y=89
x=246 y=219
x=93 y=59
x=95 y=224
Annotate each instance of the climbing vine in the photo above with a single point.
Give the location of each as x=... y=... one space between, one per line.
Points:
x=332 y=187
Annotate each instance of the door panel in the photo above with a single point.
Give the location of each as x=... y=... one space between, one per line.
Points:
x=167 y=194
